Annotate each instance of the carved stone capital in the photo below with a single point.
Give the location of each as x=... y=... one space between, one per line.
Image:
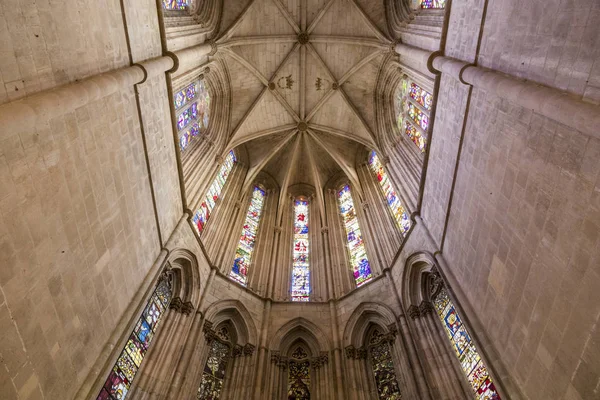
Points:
x=324 y=357
x=316 y=362
x=176 y=304
x=413 y=312
x=275 y=357
x=238 y=351
x=350 y=351
x=209 y=332
x=425 y=308
x=361 y=353
x=393 y=330
x=283 y=363
x=249 y=349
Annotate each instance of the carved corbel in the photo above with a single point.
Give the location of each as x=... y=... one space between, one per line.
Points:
x=238 y=351
x=413 y=312
x=275 y=357
x=249 y=349
x=350 y=351
x=426 y=308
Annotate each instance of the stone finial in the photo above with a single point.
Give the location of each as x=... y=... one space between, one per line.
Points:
x=413 y=312
x=249 y=349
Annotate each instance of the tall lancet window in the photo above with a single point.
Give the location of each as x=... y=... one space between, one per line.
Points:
x=301 y=261
x=472 y=365
x=382 y=362
x=214 y=192
x=356 y=247
x=213 y=375
x=399 y=212
x=176 y=5
x=125 y=369
x=192 y=105
x=299 y=376
x=243 y=254
x=413 y=106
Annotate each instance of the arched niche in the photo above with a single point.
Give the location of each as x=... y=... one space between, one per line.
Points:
x=237 y=313
x=300 y=329
x=186 y=286
x=416 y=278
x=363 y=318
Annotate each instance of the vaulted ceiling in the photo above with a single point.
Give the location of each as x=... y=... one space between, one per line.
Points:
x=303 y=75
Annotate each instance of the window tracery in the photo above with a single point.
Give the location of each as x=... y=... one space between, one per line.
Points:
x=192 y=105
x=433 y=4
x=471 y=363
x=301 y=255
x=354 y=240
x=176 y=5
x=215 y=368
x=299 y=375
x=125 y=369
x=413 y=105
x=243 y=254
x=202 y=215
x=383 y=366
x=398 y=211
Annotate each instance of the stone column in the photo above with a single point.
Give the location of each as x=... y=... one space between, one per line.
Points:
x=262 y=352
x=337 y=352
x=274 y=375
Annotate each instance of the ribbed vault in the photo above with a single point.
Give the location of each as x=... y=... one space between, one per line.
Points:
x=304 y=73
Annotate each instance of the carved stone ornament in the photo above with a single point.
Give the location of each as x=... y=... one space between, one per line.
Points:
x=426 y=307
x=324 y=357
x=302 y=126
x=272 y=86
x=350 y=352
x=283 y=363
x=275 y=357
x=325 y=229
x=436 y=283
x=238 y=351
x=335 y=86
x=209 y=332
x=361 y=354
x=207 y=70
x=393 y=330
x=249 y=349
x=201 y=77
x=303 y=38
x=315 y=362
x=187 y=308
x=413 y=312
x=176 y=304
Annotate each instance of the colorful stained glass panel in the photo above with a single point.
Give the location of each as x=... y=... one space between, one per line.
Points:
x=123 y=373
x=471 y=363
x=418 y=116
x=421 y=96
x=299 y=380
x=185 y=95
x=415 y=136
x=175 y=5
x=354 y=240
x=202 y=215
x=243 y=254
x=301 y=254
x=400 y=215
x=214 y=372
x=383 y=369
x=433 y=3
x=187 y=116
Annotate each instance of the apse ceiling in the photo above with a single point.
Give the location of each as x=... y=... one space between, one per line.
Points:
x=303 y=75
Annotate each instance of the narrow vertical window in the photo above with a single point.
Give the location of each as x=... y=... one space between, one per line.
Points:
x=413 y=105
x=400 y=215
x=433 y=3
x=125 y=369
x=176 y=5
x=299 y=376
x=301 y=262
x=354 y=240
x=192 y=105
x=213 y=375
x=203 y=213
x=243 y=254
x=472 y=365
x=383 y=367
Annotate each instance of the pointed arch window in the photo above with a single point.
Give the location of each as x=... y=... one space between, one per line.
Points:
x=398 y=211
x=202 y=215
x=299 y=375
x=301 y=259
x=433 y=3
x=123 y=373
x=354 y=240
x=382 y=362
x=192 y=105
x=215 y=368
x=243 y=254
x=471 y=363
x=413 y=107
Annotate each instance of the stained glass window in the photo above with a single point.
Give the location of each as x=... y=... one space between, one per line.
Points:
x=175 y=4
x=193 y=105
x=398 y=211
x=433 y=3
x=125 y=369
x=416 y=116
x=383 y=367
x=299 y=376
x=356 y=247
x=464 y=348
x=203 y=213
x=243 y=254
x=214 y=371
x=301 y=265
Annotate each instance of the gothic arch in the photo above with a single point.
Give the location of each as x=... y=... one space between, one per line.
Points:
x=415 y=278
x=363 y=318
x=300 y=328
x=239 y=316
x=186 y=277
